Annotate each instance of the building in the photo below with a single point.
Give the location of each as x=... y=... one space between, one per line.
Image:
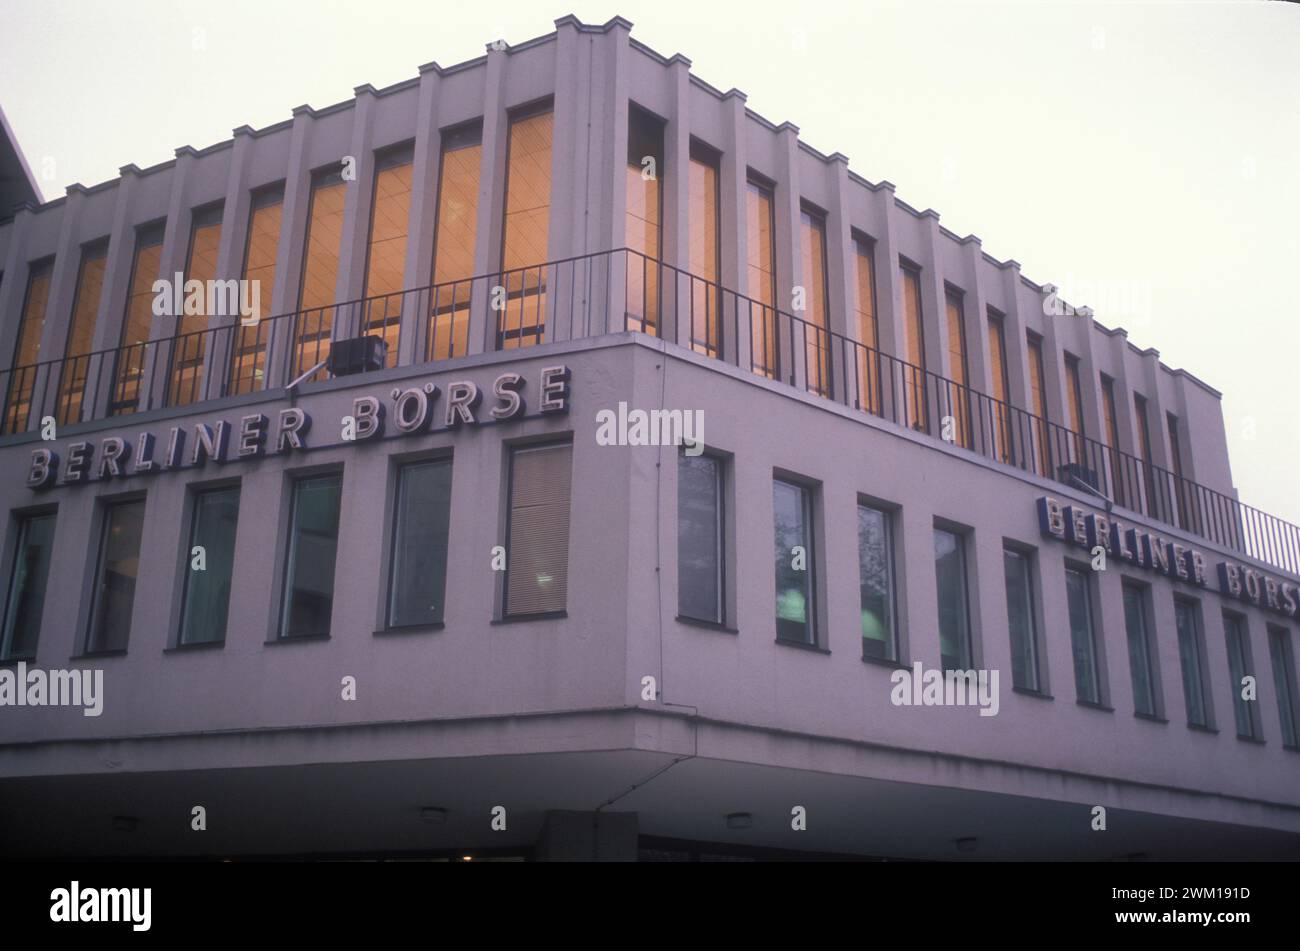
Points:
x=461 y=589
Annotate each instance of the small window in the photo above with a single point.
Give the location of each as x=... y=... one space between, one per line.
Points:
x=1020 y=616
x=210 y=562
x=116 y=572
x=954 y=602
x=537 y=536
x=27 y=583
x=421 y=518
x=1191 y=657
x=876 y=583
x=309 y=564
x=1141 y=653
x=1279 y=648
x=795 y=579
x=1241 y=666
x=700 y=525
x=1083 y=636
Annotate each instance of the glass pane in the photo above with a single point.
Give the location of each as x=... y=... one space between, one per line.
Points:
x=1020 y=617
x=642 y=234
x=875 y=584
x=27 y=585
x=207 y=591
x=794 y=589
x=248 y=361
x=1279 y=647
x=761 y=270
x=119 y=566
x=187 y=351
x=1234 y=628
x=27 y=350
x=813 y=248
x=1189 y=656
x=537 y=553
x=528 y=211
x=867 y=385
x=81 y=333
x=702 y=224
x=699 y=538
x=386 y=262
x=139 y=318
x=420 y=525
x=1139 y=652
x=958 y=397
x=954 y=619
x=453 y=255
x=313 y=544
x=319 y=274
x=914 y=389
x=1082 y=638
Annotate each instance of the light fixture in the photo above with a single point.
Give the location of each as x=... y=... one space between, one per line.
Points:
x=967 y=844
x=125 y=823
x=740 y=820
x=434 y=815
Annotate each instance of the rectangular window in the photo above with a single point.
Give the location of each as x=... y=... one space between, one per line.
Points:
x=1083 y=636
x=205 y=606
x=248 y=361
x=1038 y=395
x=116 y=571
x=701 y=574
x=817 y=365
x=454 y=236
x=1241 y=666
x=527 y=226
x=145 y=269
x=954 y=602
x=1176 y=464
x=1074 y=392
x=537 y=534
x=421 y=519
x=792 y=507
x=1191 y=657
x=320 y=271
x=1144 y=450
x=705 y=249
x=914 y=389
x=1020 y=617
x=876 y=583
x=958 y=371
x=1112 y=438
x=27 y=583
x=309 y=564
x=1001 y=387
x=1279 y=649
x=643 y=235
x=187 y=349
x=81 y=332
x=22 y=379
x=390 y=213
x=1141 y=656
x=868 y=383
x=760 y=249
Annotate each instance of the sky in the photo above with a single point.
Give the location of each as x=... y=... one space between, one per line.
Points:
x=1143 y=156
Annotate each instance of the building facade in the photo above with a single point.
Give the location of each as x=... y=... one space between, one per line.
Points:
x=557 y=459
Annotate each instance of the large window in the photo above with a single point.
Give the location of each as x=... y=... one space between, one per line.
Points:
x=1141 y=650
x=116 y=572
x=1074 y=393
x=1176 y=464
x=390 y=213
x=145 y=269
x=792 y=507
x=418 y=577
x=954 y=601
x=1280 y=652
x=27 y=583
x=81 y=332
x=454 y=238
x=320 y=271
x=867 y=386
x=1018 y=568
x=1083 y=636
x=22 y=379
x=522 y=322
x=537 y=535
x=1191 y=658
x=1001 y=387
x=1038 y=395
x=186 y=384
x=812 y=237
x=1240 y=666
x=705 y=249
x=643 y=234
x=760 y=249
x=210 y=562
x=876 y=583
x=1144 y=451
x=309 y=565
x=248 y=360
x=1112 y=439
x=914 y=389
x=701 y=574
x=958 y=371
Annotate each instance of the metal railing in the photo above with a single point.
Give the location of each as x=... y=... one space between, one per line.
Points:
x=615 y=291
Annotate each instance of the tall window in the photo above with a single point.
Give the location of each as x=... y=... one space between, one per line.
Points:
x=1074 y=392
x=792 y=507
x=958 y=395
x=1191 y=657
x=1112 y=438
x=537 y=534
x=643 y=234
x=876 y=583
x=1144 y=450
x=867 y=385
x=390 y=212
x=700 y=525
x=914 y=389
x=421 y=519
x=705 y=250
x=528 y=209
x=22 y=379
x=1083 y=636
x=1001 y=387
x=248 y=360
x=320 y=271
x=1176 y=463
x=187 y=351
x=145 y=269
x=760 y=248
x=817 y=365
x=1241 y=666
x=1038 y=394
x=309 y=564
x=81 y=333
x=954 y=602
x=116 y=571
x=1020 y=616
x=1279 y=649
x=454 y=237
x=205 y=605
x=1141 y=651
x=27 y=583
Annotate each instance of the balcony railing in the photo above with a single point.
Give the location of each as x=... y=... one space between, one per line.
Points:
x=611 y=292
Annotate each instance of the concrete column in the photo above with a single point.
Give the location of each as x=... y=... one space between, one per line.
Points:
x=938 y=400
x=162 y=329
x=58 y=311
x=112 y=302
x=980 y=366
x=491 y=204
x=350 y=315
x=230 y=263
x=841 y=280
x=789 y=257
x=290 y=250
x=418 y=266
x=733 y=184
x=676 y=284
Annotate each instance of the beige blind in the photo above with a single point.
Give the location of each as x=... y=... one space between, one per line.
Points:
x=537 y=551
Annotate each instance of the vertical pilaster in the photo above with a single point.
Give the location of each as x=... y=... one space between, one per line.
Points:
x=290 y=250
x=676 y=183
x=491 y=203
x=417 y=269
x=353 y=246
x=733 y=184
x=791 y=340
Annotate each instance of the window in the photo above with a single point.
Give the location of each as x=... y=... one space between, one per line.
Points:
x=795 y=580
x=454 y=236
x=81 y=332
x=309 y=566
x=1001 y=387
x=1141 y=651
x=1074 y=392
x=390 y=212
x=1112 y=438
x=1083 y=636
x=22 y=380
x=1144 y=450
x=705 y=247
x=958 y=395
x=700 y=525
x=1176 y=464
x=914 y=334
x=187 y=349
x=760 y=248
x=118 y=567
x=421 y=518
x=954 y=604
x=145 y=269
x=1241 y=666
x=1191 y=657
x=248 y=362
x=817 y=366
x=1038 y=393
x=876 y=583
x=1279 y=649
x=643 y=234
x=320 y=271
x=205 y=605
x=27 y=583
x=537 y=534
x=1025 y=672
x=524 y=248
x=868 y=383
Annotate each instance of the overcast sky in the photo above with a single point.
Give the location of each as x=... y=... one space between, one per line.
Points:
x=1145 y=156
